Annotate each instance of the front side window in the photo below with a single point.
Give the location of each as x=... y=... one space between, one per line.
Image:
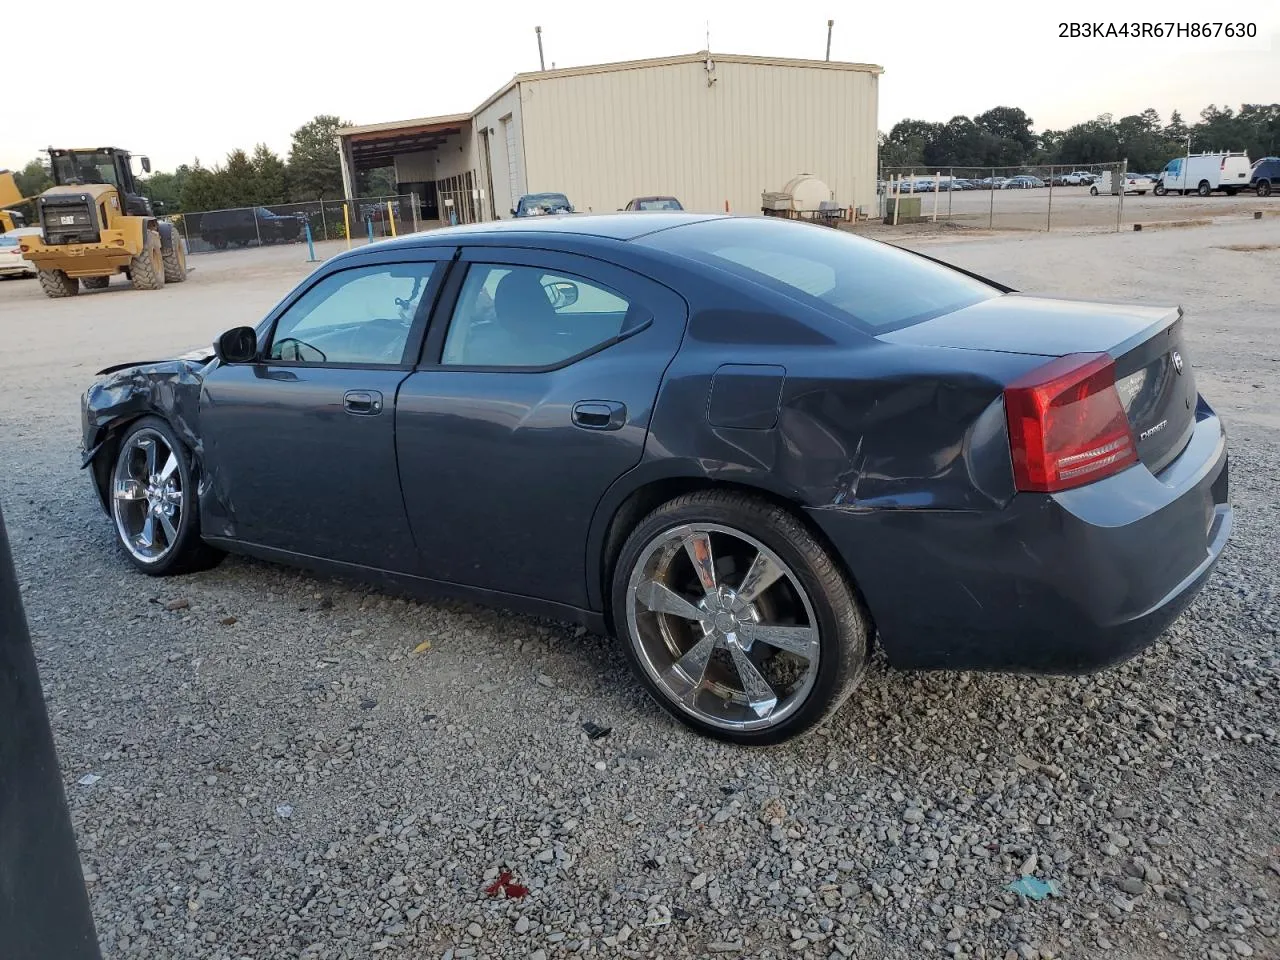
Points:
x=511 y=316
x=359 y=316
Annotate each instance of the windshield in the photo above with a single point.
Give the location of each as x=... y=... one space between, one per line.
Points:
x=547 y=201
x=873 y=286
x=8 y=241
x=86 y=167
x=659 y=203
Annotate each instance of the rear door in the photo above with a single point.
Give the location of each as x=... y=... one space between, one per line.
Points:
x=535 y=393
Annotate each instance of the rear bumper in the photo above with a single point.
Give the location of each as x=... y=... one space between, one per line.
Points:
x=1054 y=583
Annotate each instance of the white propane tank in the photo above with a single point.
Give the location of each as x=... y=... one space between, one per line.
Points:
x=807 y=192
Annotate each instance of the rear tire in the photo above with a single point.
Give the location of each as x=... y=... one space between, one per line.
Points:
x=95 y=283
x=175 y=258
x=1203 y=190
x=1264 y=188
x=662 y=612
x=56 y=283
x=146 y=270
x=171 y=545
x=1230 y=191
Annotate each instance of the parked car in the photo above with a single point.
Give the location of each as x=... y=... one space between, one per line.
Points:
x=1265 y=176
x=12 y=262
x=1023 y=182
x=654 y=203
x=541 y=204
x=572 y=424
x=1133 y=183
x=219 y=228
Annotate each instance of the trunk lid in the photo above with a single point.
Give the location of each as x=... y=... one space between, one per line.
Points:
x=1153 y=372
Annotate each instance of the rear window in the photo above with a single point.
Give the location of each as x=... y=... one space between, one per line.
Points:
x=873 y=286
x=8 y=241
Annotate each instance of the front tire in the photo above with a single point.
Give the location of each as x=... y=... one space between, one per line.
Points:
x=1159 y=190
x=1093 y=191
x=152 y=501
x=146 y=270
x=1264 y=188
x=56 y=283
x=174 y=257
x=735 y=618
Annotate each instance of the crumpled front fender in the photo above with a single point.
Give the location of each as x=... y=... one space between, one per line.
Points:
x=167 y=388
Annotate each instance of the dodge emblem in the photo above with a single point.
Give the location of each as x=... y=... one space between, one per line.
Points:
x=1177 y=361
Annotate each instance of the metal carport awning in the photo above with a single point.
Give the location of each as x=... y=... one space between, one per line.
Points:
x=378 y=144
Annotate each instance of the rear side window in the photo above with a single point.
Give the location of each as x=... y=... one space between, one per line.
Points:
x=873 y=286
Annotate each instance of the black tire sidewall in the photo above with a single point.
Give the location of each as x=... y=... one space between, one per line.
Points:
x=752 y=517
x=189 y=542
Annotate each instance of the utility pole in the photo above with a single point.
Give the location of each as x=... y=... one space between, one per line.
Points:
x=830 y=24
x=542 y=64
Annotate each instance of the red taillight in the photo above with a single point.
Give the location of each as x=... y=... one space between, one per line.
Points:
x=1067 y=426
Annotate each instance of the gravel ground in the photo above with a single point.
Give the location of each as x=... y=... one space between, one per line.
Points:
x=288 y=770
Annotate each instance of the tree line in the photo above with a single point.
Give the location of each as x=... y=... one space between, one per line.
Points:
x=1003 y=137
x=311 y=171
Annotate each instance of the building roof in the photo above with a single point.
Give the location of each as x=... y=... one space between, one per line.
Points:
x=373 y=141
x=676 y=61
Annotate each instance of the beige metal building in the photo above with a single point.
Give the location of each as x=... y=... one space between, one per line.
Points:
x=713 y=130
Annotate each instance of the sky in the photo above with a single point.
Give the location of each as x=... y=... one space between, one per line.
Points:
x=237 y=73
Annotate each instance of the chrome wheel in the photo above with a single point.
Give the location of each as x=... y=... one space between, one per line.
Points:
x=147 y=496
x=722 y=626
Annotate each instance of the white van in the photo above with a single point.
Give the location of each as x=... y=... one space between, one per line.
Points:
x=1204 y=173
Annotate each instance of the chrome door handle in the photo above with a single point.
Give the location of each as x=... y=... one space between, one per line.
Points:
x=599 y=414
x=363 y=403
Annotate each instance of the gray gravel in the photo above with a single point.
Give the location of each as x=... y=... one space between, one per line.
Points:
x=283 y=776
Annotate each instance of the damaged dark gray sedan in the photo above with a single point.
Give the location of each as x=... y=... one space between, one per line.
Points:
x=746 y=447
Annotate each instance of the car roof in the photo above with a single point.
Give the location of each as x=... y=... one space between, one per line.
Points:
x=611 y=226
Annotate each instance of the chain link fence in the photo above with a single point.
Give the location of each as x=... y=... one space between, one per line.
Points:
x=367 y=219
x=1026 y=197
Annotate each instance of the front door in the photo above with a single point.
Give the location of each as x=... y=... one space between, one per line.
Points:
x=301 y=444
x=539 y=378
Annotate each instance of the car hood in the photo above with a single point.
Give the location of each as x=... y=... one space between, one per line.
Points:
x=199 y=357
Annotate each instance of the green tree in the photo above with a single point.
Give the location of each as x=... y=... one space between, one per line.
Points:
x=33 y=179
x=315 y=172
x=1012 y=126
x=380 y=182
x=203 y=189
x=167 y=187
x=270 y=176
x=238 y=179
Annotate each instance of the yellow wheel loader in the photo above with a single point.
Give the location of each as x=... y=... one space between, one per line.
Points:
x=95 y=223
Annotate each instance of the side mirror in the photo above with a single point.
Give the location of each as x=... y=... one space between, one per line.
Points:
x=562 y=293
x=146 y=164
x=238 y=345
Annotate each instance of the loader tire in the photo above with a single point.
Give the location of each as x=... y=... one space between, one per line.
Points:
x=146 y=270
x=55 y=283
x=175 y=258
x=95 y=283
